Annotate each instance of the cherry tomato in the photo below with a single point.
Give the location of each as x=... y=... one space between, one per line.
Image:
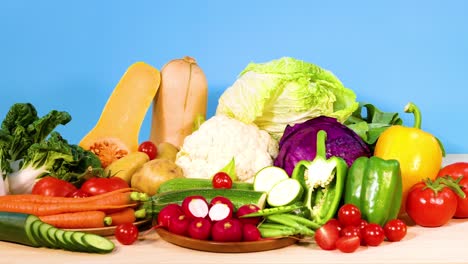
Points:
x=326 y=236
x=149 y=148
x=429 y=208
x=335 y=222
x=51 y=186
x=351 y=231
x=126 y=233
x=348 y=244
x=395 y=230
x=97 y=185
x=457 y=170
x=222 y=180
x=349 y=215
x=373 y=234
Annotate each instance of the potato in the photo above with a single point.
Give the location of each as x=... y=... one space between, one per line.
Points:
x=149 y=177
x=167 y=151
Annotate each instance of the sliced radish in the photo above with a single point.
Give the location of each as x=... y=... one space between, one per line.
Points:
x=195 y=206
x=223 y=200
x=220 y=211
x=247 y=209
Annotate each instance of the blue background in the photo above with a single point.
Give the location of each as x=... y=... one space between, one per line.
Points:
x=69 y=55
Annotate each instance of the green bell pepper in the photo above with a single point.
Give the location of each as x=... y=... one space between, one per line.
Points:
x=374 y=185
x=323 y=181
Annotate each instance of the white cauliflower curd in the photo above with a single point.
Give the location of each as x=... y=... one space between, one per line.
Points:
x=219 y=139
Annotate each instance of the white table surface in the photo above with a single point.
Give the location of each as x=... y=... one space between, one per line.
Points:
x=447 y=244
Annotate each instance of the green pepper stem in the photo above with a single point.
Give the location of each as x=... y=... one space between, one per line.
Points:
x=412 y=108
x=320 y=146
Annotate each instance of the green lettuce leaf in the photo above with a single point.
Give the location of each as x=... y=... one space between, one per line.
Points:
x=285 y=92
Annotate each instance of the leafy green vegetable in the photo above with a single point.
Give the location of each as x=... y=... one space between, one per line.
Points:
x=285 y=91
x=372 y=124
x=30 y=149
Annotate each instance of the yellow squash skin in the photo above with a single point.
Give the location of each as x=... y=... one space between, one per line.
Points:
x=419 y=153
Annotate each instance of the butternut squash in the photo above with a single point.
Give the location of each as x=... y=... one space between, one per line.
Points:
x=180 y=101
x=116 y=132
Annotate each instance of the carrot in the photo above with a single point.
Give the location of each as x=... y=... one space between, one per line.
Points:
x=85 y=219
x=34 y=198
x=40 y=209
x=123 y=216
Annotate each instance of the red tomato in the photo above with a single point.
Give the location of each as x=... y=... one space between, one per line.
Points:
x=126 y=234
x=351 y=231
x=96 y=185
x=348 y=244
x=78 y=194
x=222 y=180
x=349 y=215
x=149 y=148
x=335 y=222
x=373 y=234
x=429 y=208
x=326 y=236
x=51 y=186
x=395 y=230
x=456 y=170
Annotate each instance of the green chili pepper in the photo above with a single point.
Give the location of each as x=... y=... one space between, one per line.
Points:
x=374 y=185
x=323 y=179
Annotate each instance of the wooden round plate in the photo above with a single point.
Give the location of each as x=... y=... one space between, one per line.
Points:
x=225 y=247
x=109 y=230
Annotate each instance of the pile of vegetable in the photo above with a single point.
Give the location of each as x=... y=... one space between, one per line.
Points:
x=289 y=153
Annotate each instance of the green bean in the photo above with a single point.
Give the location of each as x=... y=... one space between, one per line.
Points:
x=274 y=210
x=281 y=219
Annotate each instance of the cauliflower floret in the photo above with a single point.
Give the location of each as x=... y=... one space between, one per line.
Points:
x=218 y=140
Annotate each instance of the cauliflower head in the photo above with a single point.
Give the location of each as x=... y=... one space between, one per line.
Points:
x=219 y=139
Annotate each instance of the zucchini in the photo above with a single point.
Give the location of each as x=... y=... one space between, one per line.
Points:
x=16 y=228
x=178 y=184
x=29 y=230
x=267 y=177
x=237 y=197
x=285 y=192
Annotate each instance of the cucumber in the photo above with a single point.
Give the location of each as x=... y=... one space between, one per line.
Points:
x=29 y=230
x=178 y=184
x=16 y=228
x=285 y=192
x=237 y=197
x=267 y=177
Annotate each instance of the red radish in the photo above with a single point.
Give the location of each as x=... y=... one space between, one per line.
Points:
x=220 y=211
x=247 y=209
x=168 y=212
x=227 y=230
x=179 y=225
x=251 y=233
x=195 y=206
x=200 y=228
x=224 y=200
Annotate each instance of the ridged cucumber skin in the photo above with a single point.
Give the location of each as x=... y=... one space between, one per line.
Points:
x=237 y=197
x=16 y=228
x=178 y=184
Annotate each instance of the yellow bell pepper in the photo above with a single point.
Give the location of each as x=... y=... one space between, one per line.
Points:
x=419 y=152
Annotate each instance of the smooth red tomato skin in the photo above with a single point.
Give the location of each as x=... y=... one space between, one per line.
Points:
x=51 y=186
x=326 y=236
x=349 y=215
x=126 y=234
x=351 y=231
x=395 y=230
x=96 y=185
x=222 y=180
x=462 y=203
x=373 y=234
x=79 y=194
x=455 y=170
x=149 y=148
x=428 y=209
x=335 y=222
x=348 y=244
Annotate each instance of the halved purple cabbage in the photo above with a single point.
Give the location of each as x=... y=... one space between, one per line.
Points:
x=299 y=142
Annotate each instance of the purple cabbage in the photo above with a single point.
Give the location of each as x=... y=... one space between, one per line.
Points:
x=299 y=142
